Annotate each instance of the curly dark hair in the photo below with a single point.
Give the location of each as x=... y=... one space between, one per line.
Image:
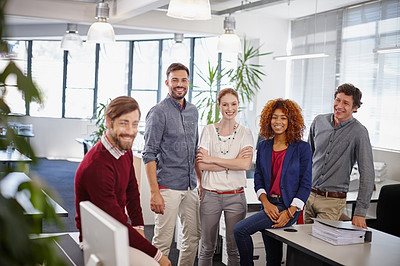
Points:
x=292 y=110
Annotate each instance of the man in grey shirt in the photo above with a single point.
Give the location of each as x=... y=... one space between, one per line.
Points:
x=337 y=142
x=171 y=137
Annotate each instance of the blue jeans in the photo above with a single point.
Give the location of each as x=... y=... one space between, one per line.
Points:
x=258 y=222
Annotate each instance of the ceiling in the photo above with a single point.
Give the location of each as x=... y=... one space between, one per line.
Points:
x=149 y=16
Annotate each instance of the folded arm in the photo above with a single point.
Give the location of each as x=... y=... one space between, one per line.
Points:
x=241 y=162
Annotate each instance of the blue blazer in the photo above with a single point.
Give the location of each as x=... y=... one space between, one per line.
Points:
x=296 y=170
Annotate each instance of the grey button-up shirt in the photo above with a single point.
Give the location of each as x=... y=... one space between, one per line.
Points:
x=171 y=136
x=335 y=151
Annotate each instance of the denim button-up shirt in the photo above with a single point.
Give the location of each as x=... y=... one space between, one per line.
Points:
x=171 y=137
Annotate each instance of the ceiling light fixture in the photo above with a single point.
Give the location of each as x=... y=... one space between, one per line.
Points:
x=307 y=55
x=189 y=9
x=229 y=41
x=178 y=51
x=101 y=31
x=300 y=56
x=71 y=39
x=394 y=49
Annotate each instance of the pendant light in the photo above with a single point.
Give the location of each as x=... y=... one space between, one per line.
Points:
x=306 y=55
x=71 y=39
x=178 y=51
x=101 y=31
x=189 y=9
x=229 y=41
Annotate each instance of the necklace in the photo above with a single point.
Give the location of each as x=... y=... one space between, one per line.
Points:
x=225 y=144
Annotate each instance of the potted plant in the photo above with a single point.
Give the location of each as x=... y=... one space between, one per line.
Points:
x=100 y=122
x=16 y=245
x=246 y=77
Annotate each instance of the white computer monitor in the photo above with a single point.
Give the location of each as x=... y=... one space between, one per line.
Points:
x=105 y=240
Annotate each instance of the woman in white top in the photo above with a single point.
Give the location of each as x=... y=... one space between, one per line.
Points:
x=225 y=153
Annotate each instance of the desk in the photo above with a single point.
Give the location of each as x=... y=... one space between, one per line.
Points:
x=351 y=197
x=66 y=245
x=9 y=189
x=14 y=156
x=304 y=249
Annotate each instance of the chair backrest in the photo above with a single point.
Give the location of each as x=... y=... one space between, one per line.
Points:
x=387 y=210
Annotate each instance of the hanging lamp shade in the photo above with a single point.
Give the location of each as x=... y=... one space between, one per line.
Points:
x=101 y=31
x=71 y=39
x=229 y=42
x=189 y=9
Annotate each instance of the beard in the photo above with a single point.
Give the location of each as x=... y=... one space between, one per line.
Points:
x=123 y=145
x=176 y=96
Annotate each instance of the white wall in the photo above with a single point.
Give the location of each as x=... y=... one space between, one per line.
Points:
x=272 y=34
x=392 y=159
x=55 y=137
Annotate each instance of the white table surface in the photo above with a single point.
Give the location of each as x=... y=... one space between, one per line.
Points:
x=384 y=249
x=14 y=156
x=9 y=189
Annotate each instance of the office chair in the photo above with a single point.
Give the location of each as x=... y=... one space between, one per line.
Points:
x=385 y=221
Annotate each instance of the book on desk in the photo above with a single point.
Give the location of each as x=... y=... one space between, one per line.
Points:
x=340 y=233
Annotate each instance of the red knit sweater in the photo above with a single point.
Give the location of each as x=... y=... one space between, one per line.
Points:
x=111 y=185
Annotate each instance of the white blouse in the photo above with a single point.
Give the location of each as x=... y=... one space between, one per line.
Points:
x=227 y=148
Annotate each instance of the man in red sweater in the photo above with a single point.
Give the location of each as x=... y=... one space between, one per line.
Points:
x=106 y=176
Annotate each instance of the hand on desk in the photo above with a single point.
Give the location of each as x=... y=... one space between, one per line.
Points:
x=359 y=221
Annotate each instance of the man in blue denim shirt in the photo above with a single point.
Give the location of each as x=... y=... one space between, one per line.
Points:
x=169 y=153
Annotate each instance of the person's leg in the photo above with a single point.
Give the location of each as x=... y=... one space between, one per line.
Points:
x=235 y=208
x=139 y=258
x=273 y=247
x=243 y=231
x=190 y=219
x=165 y=223
x=309 y=209
x=210 y=214
x=329 y=208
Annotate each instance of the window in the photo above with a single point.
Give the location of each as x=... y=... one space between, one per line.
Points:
x=113 y=71
x=145 y=75
x=80 y=82
x=377 y=75
x=314 y=80
x=74 y=82
x=18 y=52
x=350 y=36
x=47 y=72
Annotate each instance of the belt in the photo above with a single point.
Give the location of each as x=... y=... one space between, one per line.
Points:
x=339 y=195
x=274 y=196
x=237 y=191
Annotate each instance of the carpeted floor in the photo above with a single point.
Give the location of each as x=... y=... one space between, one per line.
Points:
x=59 y=176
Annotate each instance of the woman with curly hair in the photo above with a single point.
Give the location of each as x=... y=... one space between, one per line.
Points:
x=282 y=179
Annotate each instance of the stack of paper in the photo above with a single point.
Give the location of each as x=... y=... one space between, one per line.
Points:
x=340 y=233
